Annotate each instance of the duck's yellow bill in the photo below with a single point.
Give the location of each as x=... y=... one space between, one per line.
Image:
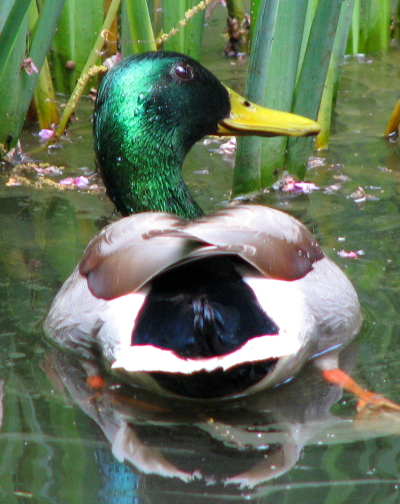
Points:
x=247 y=118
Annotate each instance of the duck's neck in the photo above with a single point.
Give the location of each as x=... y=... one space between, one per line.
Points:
x=143 y=173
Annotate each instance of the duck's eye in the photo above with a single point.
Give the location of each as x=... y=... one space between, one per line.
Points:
x=184 y=72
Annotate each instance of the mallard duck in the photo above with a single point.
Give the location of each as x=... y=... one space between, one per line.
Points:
x=194 y=305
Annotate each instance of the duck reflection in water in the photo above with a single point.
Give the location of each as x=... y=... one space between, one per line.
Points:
x=239 y=445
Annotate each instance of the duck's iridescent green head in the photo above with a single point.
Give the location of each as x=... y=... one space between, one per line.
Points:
x=151 y=109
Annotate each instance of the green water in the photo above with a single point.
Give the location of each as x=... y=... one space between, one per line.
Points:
x=296 y=444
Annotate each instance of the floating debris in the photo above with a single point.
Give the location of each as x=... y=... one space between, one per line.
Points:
x=205 y=171
x=210 y=140
x=305 y=187
x=78 y=182
x=20 y=180
x=360 y=196
x=69 y=183
x=333 y=188
x=36 y=168
x=14 y=182
x=23 y=495
x=291 y=184
x=288 y=183
x=351 y=254
x=45 y=134
x=336 y=166
x=228 y=147
x=17 y=155
x=342 y=177
x=315 y=161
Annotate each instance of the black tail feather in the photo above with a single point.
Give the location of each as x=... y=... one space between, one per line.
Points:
x=201 y=309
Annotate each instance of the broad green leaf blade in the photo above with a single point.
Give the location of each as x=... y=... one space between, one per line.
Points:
x=16 y=83
x=79 y=26
x=141 y=31
x=281 y=80
x=44 y=96
x=312 y=77
x=126 y=44
x=334 y=72
x=63 y=46
x=193 y=32
x=11 y=29
x=12 y=51
x=87 y=69
x=46 y=26
x=374 y=26
x=247 y=177
x=311 y=6
x=174 y=11
x=188 y=38
x=353 y=43
x=48 y=114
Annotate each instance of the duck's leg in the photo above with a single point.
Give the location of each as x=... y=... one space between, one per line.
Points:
x=367 y=400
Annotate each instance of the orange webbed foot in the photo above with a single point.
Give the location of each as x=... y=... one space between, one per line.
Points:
x=367 y=401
